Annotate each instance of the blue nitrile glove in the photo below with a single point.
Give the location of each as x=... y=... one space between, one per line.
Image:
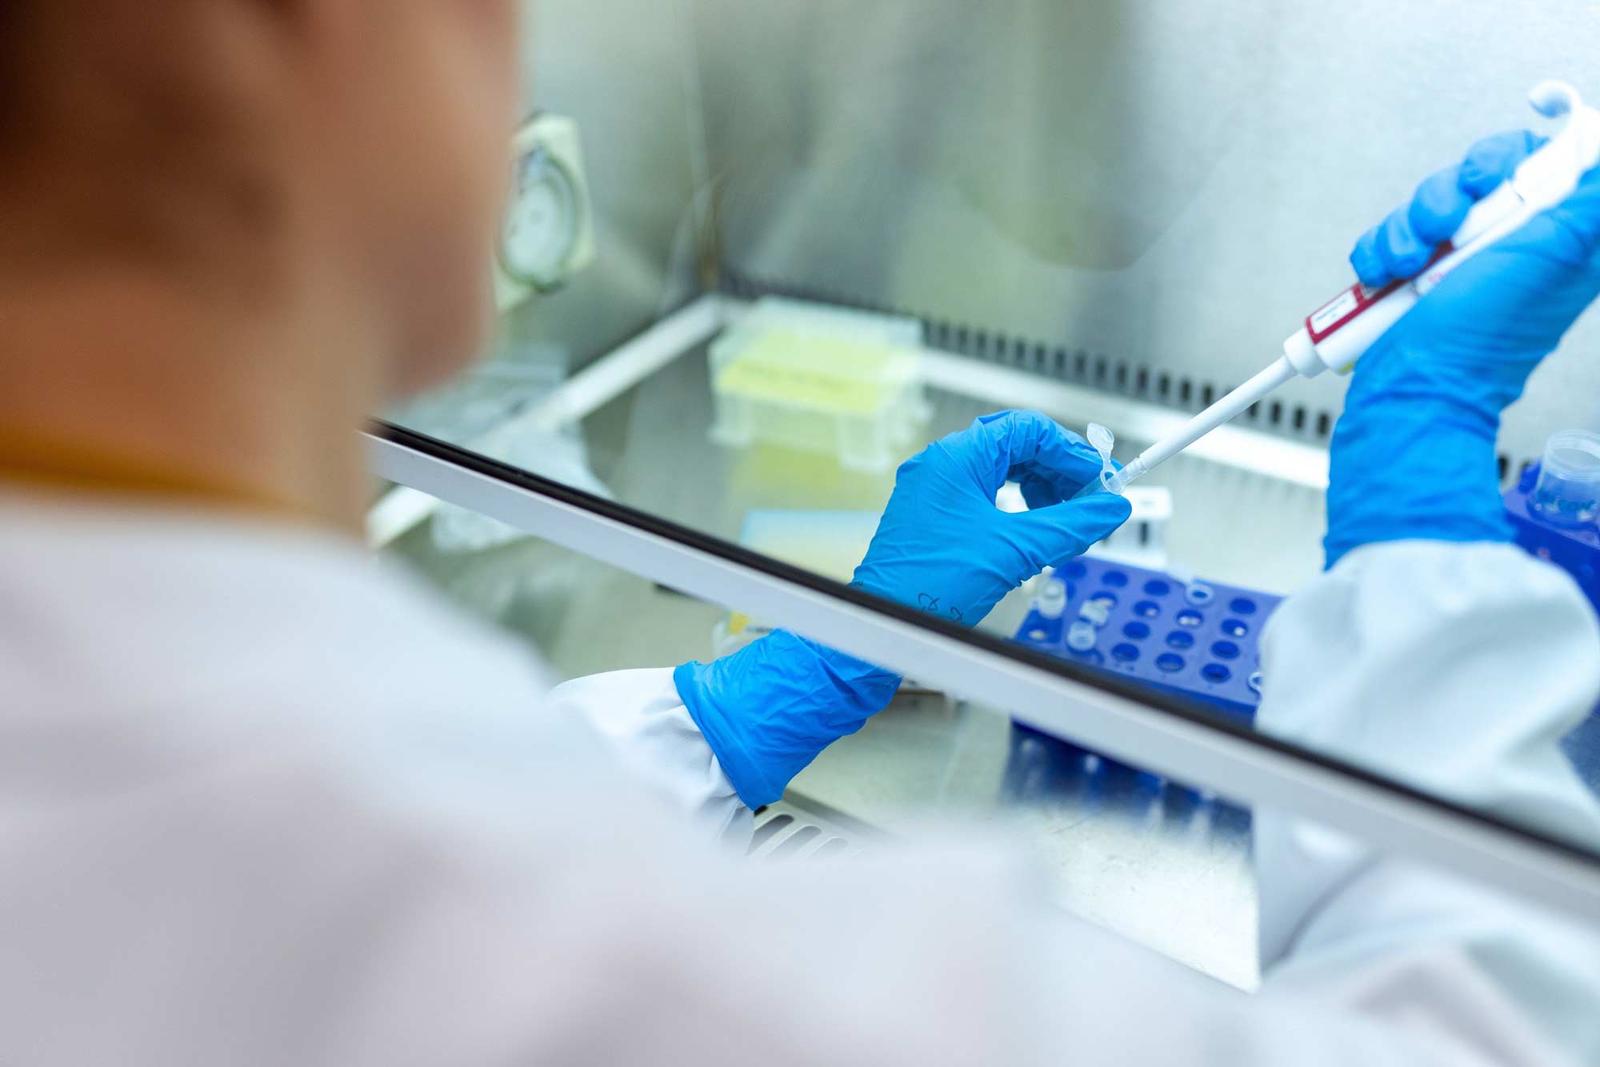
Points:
x=769 y=708
x=945 y=548
x=1413 y=456
x=942 y=546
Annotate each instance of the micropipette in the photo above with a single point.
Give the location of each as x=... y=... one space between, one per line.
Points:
x=1340 y=332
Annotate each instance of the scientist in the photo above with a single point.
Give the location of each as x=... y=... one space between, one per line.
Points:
x=263 y=800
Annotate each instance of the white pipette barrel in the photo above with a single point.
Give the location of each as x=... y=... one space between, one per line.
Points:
x=1222 y=411
x=1340 y=332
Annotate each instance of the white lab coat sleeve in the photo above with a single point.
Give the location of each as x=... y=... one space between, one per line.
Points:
x=645 y=722
x=1456 y=669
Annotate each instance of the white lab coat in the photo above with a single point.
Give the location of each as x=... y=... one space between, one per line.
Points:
x=265 y=800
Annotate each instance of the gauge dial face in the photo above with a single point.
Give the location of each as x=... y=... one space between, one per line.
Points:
x=541 y=227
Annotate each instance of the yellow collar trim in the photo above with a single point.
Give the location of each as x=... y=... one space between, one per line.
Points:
x=40 y=463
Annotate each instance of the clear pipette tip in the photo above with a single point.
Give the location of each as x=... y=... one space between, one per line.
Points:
x=1116 y=481
x=1104 y=441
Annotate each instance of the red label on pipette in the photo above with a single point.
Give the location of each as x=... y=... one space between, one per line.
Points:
x=1344 y=308
x=1328 y=319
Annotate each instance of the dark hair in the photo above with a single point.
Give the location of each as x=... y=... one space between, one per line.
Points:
x=11 y=32
x=137 y=156
x=22 y=61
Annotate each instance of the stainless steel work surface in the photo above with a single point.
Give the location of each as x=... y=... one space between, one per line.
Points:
x=1158 y=865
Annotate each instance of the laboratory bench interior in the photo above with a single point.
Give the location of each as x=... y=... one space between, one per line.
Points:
x=1165 y=863
x=741 y=283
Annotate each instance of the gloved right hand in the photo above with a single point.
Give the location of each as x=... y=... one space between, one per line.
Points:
x=1413 y=456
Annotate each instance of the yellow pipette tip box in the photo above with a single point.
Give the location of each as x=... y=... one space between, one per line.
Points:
x=819 y=379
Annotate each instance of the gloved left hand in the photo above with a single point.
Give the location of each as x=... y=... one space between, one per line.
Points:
x=943 y=547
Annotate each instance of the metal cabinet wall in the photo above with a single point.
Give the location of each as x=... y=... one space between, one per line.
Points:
x=1166 y=185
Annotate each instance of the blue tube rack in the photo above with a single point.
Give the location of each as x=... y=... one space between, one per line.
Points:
x=1575 y=550
x=1149 y=607
x=1203 y=647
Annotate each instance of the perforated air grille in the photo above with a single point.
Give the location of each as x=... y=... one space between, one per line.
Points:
x=786 y=831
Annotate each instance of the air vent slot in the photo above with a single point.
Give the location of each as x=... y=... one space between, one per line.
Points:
x=784 y=831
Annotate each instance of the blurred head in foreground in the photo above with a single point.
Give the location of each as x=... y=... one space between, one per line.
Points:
x=229 y=229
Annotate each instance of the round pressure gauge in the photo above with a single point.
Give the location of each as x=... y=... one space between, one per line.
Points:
x=543 y=225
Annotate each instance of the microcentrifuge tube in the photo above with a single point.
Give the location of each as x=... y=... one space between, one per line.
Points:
x=1095 y=613
x=1081 y=636
x=1104 y=441
x=1568 y=491
x=1194 y=590
x=1051 y=601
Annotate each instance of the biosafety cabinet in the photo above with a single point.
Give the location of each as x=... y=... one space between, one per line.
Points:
x=760 y=253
